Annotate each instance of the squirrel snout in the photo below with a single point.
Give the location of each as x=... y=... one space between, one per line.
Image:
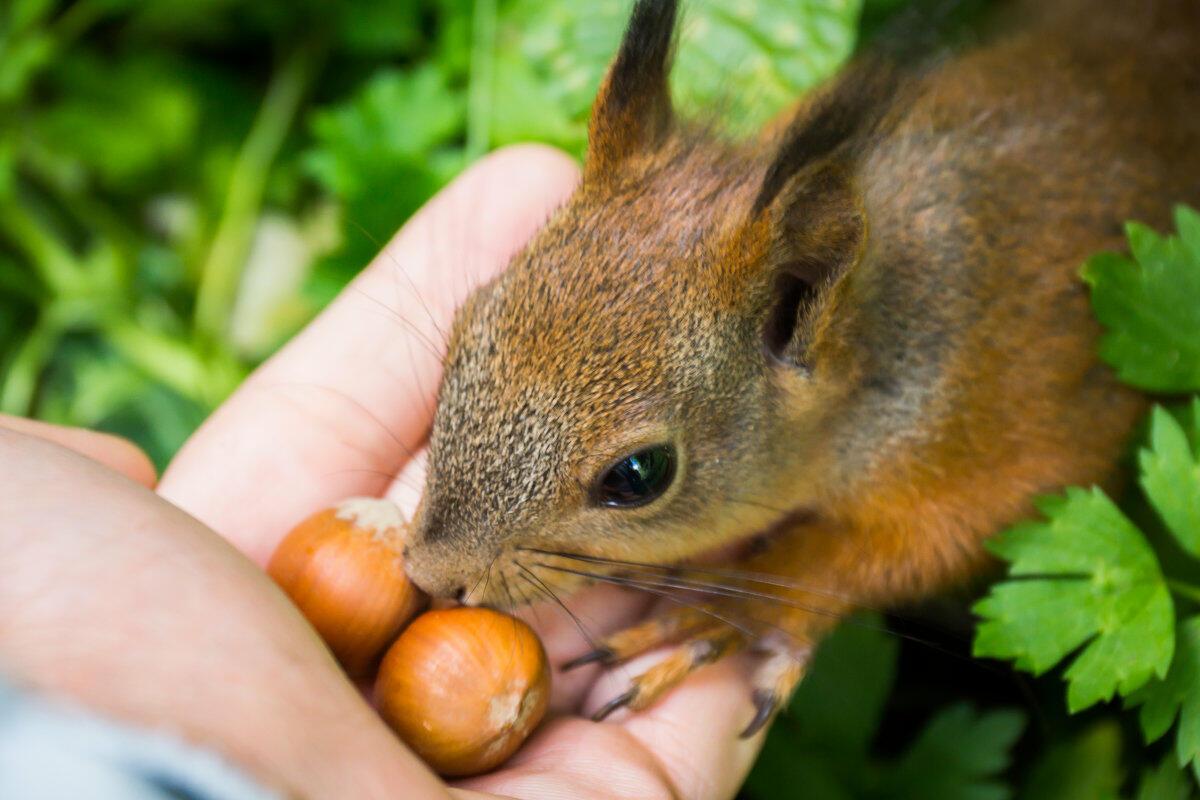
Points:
x=437 y=574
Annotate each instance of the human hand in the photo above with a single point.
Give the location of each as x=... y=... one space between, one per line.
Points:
x=114 y=598
x=343 y=411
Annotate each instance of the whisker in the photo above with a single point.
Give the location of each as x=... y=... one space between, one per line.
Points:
x=512 y=604
x=587 y=637
x=481 y=579
x=752 y=577
x=526 y=600
x=714 y=589
x=633 y=583
x=783 y=512
x=357 y=404
x=429 y=344
x=383 y=250
x=764 y=578
x=733 y=592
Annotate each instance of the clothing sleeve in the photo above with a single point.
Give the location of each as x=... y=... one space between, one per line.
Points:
x=50 y=751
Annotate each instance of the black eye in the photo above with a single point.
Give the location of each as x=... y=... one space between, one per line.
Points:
x=637 y=479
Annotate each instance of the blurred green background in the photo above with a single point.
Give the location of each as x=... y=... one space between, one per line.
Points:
x=184 y=183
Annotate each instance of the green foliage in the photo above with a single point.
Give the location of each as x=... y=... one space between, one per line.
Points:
x=1086 y=579
x=1090 y=579
x=1085 y=767
x=1171 y=473
x=743 y=60
x=1149 y=303
x=822 y=748
x=1164 y=782
x=183 y=183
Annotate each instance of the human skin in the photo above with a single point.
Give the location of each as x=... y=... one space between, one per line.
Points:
x=115 y=597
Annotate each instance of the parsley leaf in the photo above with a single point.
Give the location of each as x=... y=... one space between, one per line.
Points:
x=1178 y=694
x=397 y=118
x=1091 y=580
x=960 y=754
x=1085 y=767
x=1171 y=475
x=1164 y=782
x=1151 y=306
x=821 y=749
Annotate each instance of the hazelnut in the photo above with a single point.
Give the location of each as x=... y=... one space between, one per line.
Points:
x=463 y=687
x=343 y=569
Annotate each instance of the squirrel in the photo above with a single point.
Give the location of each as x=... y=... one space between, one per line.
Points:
x=833 y=358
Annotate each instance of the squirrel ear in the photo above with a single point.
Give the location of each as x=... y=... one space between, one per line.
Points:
x=817 y=232
x=817 y=224
x=632 y=111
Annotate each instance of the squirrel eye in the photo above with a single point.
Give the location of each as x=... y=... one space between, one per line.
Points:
x=638 y=478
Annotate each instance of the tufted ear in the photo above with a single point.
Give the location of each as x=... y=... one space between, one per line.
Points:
x=632 y=112
x=818 y=230
x=810 y=206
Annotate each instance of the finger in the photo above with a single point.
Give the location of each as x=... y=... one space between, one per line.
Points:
x=694 y=731
x=341 y=408
x=116 y=453
x=686 y=746
x=127 y=605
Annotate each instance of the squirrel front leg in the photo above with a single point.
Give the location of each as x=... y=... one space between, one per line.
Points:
x=778 y=604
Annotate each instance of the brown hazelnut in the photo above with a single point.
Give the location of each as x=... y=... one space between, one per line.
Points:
x=343 y=569
x=463 y=687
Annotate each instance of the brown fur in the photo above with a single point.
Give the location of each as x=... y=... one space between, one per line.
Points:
x=941 y=376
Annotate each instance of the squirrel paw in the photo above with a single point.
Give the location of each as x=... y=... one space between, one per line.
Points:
x=667 y=628
x=775 y=679
x=705 y=647
x=698 y=642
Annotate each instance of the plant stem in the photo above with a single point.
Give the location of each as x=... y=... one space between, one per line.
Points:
x=479 y=91
x=1188 y=590
x=54 y=263
x=166 y=359
x=222 y=269
x=20 y=384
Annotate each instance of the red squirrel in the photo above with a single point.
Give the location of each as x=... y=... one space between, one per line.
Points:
x=836 y=356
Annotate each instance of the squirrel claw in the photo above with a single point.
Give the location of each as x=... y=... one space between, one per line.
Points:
x=601 y=655
x=765 y=705
x=612 y=705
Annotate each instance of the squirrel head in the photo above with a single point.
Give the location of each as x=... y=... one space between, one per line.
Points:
x=664 y=360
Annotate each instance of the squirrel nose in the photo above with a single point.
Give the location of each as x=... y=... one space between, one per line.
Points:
x=435 y=573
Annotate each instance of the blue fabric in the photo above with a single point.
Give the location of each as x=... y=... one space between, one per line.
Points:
x=50 y=751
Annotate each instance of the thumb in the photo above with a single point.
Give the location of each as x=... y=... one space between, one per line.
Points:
x=113 y=452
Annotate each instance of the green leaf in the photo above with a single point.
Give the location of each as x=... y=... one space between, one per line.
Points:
x=1176 y=695
x=789 y=767
x=959 y=756
x=1150 y=305
x=841 y=699
x=1085 y=767
x=371 y=27
x=1171 y=477
x=115 y=119
x=751 y=59
x=1165 y=782
x=819 y=746
x=1086 y=577
x=395 y=120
